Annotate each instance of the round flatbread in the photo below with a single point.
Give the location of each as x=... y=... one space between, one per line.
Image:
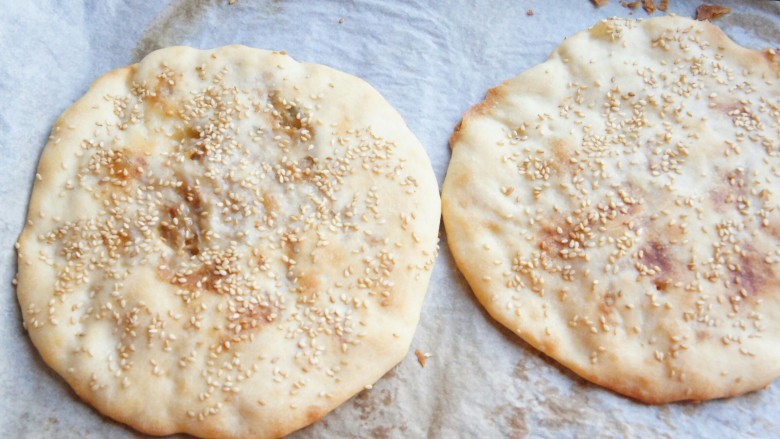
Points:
x=618 y=207
x=226 y=243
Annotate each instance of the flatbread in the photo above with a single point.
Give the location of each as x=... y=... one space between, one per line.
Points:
x=617 y=207
x=227 y=243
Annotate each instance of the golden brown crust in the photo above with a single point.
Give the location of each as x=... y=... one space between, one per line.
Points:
x=615 y=208
x=476 y=111
x=226 y=243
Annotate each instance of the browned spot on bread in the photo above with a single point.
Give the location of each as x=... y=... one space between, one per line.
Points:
x=481 y=108
x=116 y=166
x=462 y=179
x=773 y=56
x=494 y=227
x=307 y=168
x=185 y=133
x=254 y=314
x=196 y=145
x=732 y=193
x=308 y=284
x=655 y=255
x=455 y=132
x=209 y=276
x=656 y=258
x=718 y=199
x=158 y=100
x=552 y=234
x=290 y=119
x=181 y=227
x=751 y=275
x=289 y=116
x=562 y=153
x=125 y=167
x=314 y=414
x=661 y=284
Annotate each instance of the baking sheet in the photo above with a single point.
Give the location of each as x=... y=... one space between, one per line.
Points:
x=432 y=61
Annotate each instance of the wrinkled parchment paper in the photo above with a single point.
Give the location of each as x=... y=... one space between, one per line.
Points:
x=432 y=61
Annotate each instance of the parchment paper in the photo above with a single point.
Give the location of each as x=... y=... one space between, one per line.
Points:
x=432 y=61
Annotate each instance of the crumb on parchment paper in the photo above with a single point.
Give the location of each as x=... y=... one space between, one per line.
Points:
x=422 y=357
x=630 y=5
x=648 y=5
x=703 y=12
x=711 y=12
